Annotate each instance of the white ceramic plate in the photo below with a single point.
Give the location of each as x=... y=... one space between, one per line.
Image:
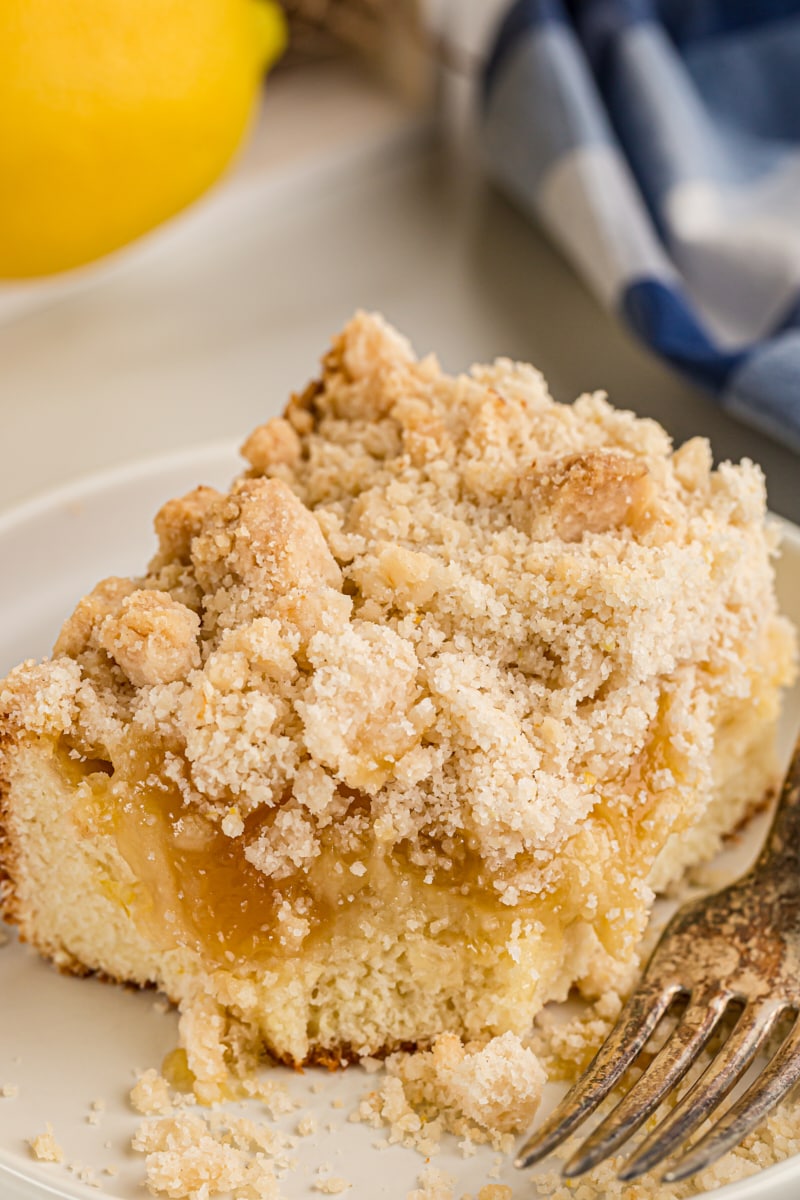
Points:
x=65 y=1042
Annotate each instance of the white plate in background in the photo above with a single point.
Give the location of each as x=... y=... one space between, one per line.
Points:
x=66 y=1042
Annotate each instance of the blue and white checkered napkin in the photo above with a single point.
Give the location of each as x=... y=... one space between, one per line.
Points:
x=659 y=142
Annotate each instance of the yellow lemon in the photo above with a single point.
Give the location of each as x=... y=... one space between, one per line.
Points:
x=114 y=114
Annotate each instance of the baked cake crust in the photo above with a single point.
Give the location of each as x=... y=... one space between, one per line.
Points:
x=401 y=733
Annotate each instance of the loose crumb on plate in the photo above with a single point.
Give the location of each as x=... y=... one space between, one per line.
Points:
x=565 y=1048
x=83 y=1174
x=45 y=1148
x=334 y=1185
x=151 y=1095
x=433 y=1184
x=9 y=1091
x=482 y=1094
x=189 y=1155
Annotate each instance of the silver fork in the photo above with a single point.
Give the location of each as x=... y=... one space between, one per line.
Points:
x=740 y=946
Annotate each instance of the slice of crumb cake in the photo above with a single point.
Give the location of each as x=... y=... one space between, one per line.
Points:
x=399 y=735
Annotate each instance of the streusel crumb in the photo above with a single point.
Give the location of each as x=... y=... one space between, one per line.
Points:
x=433 y=1185
x=565 y=1048
x=307 y=1125
x=333 y=1185
x=189 y=1155
x=151 y=1094
x=499 y=1086
x=481 y=1093
x=45 y=1148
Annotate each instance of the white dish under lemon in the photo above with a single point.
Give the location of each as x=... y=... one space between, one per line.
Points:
x=65 y=1043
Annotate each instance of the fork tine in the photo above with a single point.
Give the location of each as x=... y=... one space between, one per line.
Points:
x=777 y=1078
x=750 y=1032
x=667 y=1069
x=636 y=1022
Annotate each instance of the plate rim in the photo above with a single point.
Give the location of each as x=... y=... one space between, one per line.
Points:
x=89 y=483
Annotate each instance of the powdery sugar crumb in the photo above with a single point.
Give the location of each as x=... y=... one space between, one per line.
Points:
x=334 y=1185
x=433 y=1184
x=151 y=1094
x=480 y=1093
x=45 y=1148
x=212 y=1154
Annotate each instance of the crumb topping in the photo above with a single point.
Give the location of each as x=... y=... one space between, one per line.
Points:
x=45 y=1148
x=446 y=618
x=480 y=1093
x=332 y=1185
x=191 y=1154
x=151 y=1094
x=434 y=1184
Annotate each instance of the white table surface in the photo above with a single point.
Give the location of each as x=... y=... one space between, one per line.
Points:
x=340 y=201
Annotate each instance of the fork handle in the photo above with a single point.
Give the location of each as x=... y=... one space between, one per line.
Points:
x=782 y=843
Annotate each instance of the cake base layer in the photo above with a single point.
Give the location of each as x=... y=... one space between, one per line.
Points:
x=395 y=963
